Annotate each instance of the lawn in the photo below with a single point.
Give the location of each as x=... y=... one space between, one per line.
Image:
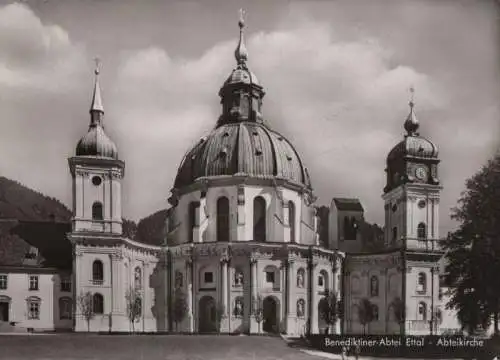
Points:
x=148 y=347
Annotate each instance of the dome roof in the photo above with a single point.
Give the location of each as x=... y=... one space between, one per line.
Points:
x=244 y=148
x=413 y=144
x=242 y=75
x=96 y=143
x=416 y=146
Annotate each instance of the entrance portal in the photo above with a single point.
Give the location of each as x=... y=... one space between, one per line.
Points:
x=270 y=315
x=207 y=315
x=4 y=311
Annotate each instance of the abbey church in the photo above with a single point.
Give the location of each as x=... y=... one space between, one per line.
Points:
x=241 y=250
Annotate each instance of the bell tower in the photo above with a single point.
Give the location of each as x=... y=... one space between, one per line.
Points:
x=411 y=198
x=97 y=174
x=412 y=190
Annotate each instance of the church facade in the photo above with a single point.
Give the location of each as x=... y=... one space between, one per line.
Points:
x=242 y=251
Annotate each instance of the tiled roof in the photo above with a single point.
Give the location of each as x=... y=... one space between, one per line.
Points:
x=348 y=204
x=245 y=148
x=17 y=238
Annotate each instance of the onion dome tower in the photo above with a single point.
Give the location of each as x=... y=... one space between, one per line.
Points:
x=414 y=159
x=96 y=142
x=97 y=173
x=241 y=143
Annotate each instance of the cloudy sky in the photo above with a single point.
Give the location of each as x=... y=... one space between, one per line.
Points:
x=336 y=73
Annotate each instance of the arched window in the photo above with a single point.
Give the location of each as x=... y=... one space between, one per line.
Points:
x=138 y=278
x=421 y=231
x=323 y=283
x=301 y=278
x=259 y=219
x=421 y=283
x=193 y=206
x=97 y=211
x=223 y=219
x=98 y=303
x=65 y=308
x=394 y=235
x=374 y=286
x=422 y=311
x=97 y=271
x=291 y=219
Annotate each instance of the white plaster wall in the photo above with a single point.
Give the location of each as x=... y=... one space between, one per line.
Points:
x=277 y=225
x=49 y=293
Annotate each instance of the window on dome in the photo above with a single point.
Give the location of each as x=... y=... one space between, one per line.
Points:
x=259 y=219
x=97 y=211
x=223 y=219
x=291 y=219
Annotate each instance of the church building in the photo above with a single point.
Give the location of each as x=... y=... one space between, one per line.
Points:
x=241 y=252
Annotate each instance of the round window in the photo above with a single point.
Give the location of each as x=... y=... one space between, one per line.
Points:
x=421 y=204
x=96 y=180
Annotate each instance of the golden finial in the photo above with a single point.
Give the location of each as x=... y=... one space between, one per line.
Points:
x=411 y=124
x=241 y=53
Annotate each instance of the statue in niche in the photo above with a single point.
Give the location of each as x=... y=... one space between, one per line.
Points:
x=300 y=308
x=238 y=308
x=238 y=278
x=137 y=278
x=300 y=279
x=178 y=279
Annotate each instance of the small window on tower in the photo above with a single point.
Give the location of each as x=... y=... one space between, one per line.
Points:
x=96 y=180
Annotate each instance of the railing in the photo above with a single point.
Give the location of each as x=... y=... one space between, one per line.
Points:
x=421 y=326
x=427 y=245
x=97 y=282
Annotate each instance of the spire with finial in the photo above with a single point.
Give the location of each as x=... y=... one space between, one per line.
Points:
x=411 y=124
x=96 y=108
x=241 y=53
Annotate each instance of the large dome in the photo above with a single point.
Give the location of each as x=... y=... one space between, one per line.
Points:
x=245 y=148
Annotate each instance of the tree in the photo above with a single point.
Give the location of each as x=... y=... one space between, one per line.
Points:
x=398 y=307
x=220 y=313
x=329 y=309
x=258 y=310
x=473 y=250
x=86 y=305
x=134 y=306
x=365 y=313
x=180 y=307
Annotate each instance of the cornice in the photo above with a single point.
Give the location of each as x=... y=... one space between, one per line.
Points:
x=242 y=179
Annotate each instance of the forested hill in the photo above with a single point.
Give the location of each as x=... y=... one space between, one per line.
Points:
x=22 y=203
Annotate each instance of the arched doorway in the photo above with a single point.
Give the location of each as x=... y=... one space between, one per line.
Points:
x=206 y=315
x=322 y=322
x=270 y=312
